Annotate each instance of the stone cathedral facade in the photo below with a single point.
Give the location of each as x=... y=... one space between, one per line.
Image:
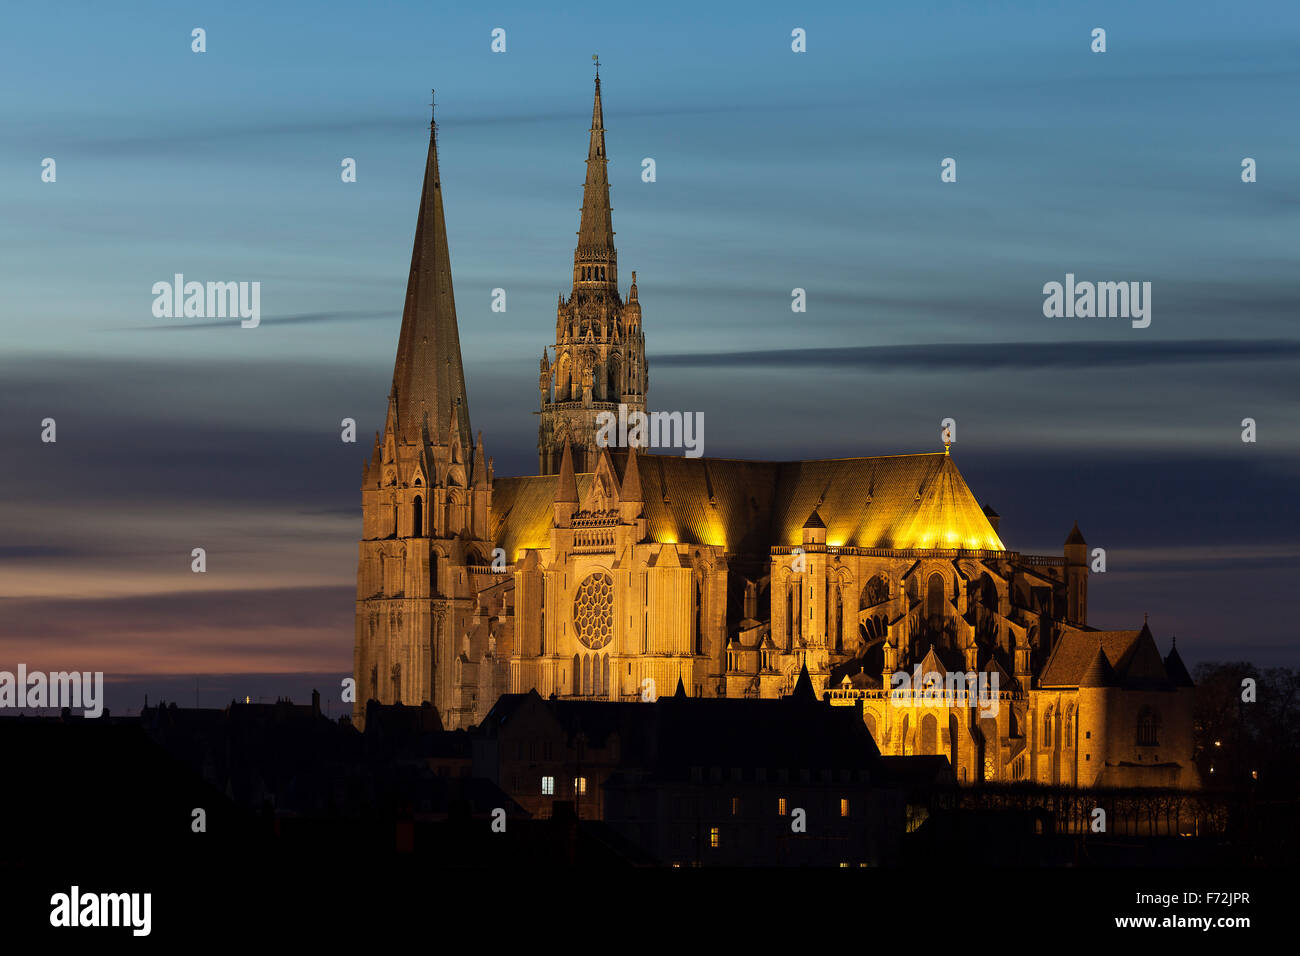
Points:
x=615 y=574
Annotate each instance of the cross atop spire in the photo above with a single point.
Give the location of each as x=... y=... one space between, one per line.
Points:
x=595 y=58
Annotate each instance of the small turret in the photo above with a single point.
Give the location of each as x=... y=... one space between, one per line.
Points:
x=1076 y=577
x=631 y=499
x=566 y=490
x=479 y=477
x=632 y=310
x=814 y=529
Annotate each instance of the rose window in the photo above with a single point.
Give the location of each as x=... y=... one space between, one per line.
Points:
x=593 y=610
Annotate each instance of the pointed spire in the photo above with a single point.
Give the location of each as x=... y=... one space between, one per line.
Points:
x=595 y=259
x=631 y=490
x=428 y=378
x=680 y=692
x=479 y=476
x=1099 y=672
x=803 y=688
x=1176 y=669
x=566 y=489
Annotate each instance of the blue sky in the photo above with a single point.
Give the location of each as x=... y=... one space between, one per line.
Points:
x=775 y=170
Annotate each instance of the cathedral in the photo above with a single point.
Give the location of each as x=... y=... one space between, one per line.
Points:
x=616 y=574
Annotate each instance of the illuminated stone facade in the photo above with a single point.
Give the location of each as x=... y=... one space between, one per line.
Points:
x=619 y=573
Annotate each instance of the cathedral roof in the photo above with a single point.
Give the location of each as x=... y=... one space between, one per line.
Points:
x=428 y=379
x=1131 y=656
x=901 y=501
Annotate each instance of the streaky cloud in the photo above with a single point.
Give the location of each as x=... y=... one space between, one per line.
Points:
x=985 y=356
x=302 y=318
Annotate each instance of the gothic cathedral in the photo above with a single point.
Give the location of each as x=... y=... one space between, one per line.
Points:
x=614 y=574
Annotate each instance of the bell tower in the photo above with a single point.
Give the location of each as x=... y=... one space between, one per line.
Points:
x=425 y=497
x=599 y=352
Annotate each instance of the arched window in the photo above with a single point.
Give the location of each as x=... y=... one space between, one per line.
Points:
x=417 y=518
x=875 y=592
x=604 y=675
x=699 y=616
x=934 y=597
x=1069 y=720
x=929 y=735
x=1047 y=728
x=837 y=619
x=586 y=673
x=1148 y=728
x=789 y=616
x=577 y=674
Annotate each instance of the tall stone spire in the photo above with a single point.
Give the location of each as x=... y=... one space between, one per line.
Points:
x=595 y=262
x=599 y=359
x=428 y=378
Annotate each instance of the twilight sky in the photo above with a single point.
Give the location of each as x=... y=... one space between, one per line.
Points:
x=775 y=170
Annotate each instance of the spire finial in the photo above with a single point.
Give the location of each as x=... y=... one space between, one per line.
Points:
x=595 y=58
x=433 y=104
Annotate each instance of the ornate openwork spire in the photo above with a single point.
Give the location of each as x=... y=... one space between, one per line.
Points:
x=595 y=262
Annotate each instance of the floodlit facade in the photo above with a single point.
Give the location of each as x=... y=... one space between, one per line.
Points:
x=613 y=574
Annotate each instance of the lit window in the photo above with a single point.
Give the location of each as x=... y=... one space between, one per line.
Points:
x=780 y=806
x=844 y=808
x=580 y=785
x=713 y=837
x=548 y=786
